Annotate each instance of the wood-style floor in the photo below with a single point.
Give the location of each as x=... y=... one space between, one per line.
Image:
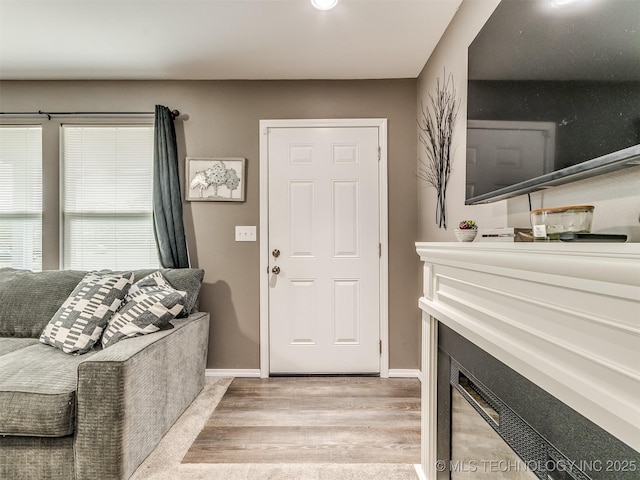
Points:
x=313 y=420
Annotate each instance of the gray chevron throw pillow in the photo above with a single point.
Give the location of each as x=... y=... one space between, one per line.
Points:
x=79 y=322
x=150 y=305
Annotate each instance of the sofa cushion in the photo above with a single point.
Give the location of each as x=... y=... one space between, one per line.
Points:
x=79 y=322
x=184 y=279
x=20 y=316
x=149 y=306
x=10 y=344
x=38 y=391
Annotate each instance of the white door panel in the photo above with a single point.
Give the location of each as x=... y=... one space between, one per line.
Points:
x=324 y=219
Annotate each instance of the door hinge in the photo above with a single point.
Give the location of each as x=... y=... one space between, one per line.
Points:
x=379 y=250
x=379 y=153
x=380 y=347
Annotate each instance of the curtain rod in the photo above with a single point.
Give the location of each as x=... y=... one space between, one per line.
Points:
x=49 y=115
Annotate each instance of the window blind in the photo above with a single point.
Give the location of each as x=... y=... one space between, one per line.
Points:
x=21 y=196
x=107 y=195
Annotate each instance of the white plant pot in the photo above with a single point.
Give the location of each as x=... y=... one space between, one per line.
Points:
x=466 y=235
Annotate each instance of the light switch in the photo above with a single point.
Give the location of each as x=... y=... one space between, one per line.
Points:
x=245 y=233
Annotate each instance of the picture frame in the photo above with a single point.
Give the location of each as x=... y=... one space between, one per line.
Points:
x=215 y=179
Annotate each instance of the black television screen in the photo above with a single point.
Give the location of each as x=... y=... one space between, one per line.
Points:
x=553 y=95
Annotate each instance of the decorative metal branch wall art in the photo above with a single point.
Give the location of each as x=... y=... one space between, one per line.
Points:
x=435 y=133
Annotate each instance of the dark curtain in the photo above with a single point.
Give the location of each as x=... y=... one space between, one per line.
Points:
x=167 y=197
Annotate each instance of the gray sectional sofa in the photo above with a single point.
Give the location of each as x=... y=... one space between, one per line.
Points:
x=96 y=415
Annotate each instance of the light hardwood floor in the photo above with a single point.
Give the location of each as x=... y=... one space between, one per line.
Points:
x=313 y=420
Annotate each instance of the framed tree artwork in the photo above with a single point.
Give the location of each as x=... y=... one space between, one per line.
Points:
x=215 y=179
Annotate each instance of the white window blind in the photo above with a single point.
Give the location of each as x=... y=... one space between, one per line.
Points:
x=21 y=196
x=107 y=191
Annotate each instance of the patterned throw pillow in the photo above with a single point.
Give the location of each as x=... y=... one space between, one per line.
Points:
x=79 y=322
x=150 y=305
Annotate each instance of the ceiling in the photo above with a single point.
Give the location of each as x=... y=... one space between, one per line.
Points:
x=218 y=39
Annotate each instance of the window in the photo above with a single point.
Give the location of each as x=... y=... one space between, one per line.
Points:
x=106 y=197
x=21 y=196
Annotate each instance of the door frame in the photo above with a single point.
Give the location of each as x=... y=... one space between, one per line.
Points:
x=265 y=125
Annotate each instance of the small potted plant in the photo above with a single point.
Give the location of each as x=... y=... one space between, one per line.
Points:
x=466 y=231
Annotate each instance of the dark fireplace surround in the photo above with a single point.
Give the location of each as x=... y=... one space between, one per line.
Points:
x=577 y=439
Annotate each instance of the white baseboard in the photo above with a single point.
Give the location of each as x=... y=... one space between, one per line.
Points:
x=405 y=373
x=255 y=373
x=232 y=372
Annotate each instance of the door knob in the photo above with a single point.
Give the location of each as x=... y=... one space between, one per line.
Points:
x=275 y=270
x=276 y=253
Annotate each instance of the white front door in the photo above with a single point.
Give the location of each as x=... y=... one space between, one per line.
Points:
x=324 y=250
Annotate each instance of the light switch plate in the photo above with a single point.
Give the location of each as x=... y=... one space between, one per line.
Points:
x=245 y=233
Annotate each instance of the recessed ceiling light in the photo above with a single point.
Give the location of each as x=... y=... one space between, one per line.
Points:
x=562 y=3
x=324 y=4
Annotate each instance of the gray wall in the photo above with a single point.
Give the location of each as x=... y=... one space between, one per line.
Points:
x=450 y=57
x=223 y=120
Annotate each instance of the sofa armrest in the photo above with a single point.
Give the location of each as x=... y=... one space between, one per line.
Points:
x=131 y=393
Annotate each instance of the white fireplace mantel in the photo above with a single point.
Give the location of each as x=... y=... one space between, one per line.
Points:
x=564 y=315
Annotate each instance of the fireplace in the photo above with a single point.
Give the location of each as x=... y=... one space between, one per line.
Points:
x=540 y=342
x=477 y=450
x=547 y=439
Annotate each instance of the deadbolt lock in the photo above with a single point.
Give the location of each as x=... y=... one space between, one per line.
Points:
x=275 y=253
